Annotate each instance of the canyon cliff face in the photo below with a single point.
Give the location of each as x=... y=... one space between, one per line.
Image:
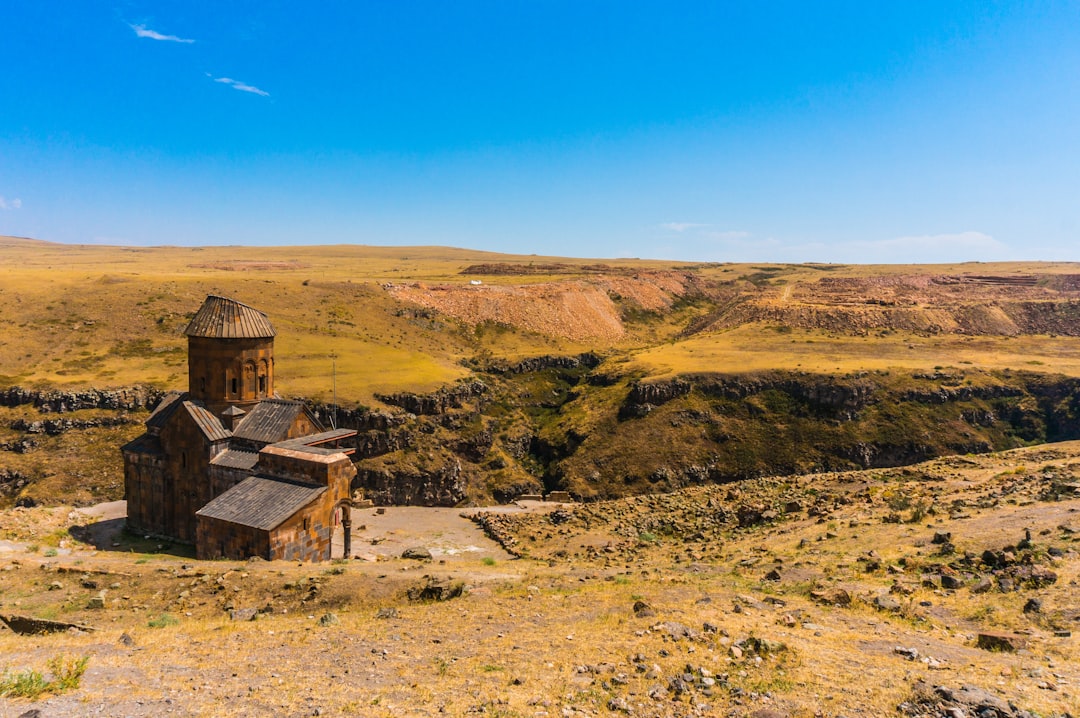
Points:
x=707 y=428
x=555 y=424
x=570 y=423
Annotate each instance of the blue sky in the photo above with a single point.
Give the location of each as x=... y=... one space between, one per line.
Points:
x=717 y=131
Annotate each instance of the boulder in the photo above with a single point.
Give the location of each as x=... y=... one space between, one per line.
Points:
x=885 y=602
x=1006 y=642
x=436 y=589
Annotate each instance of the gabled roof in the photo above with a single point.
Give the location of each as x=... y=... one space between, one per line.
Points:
x=261 y=502
x=208 y=424
x=222 y=318
x=165 y=408
x=145 y=444
x=312 y=443
x=268 y=422
x=236 y=459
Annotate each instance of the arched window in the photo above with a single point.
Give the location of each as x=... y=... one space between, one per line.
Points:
x=249 y=379
x=263 y=378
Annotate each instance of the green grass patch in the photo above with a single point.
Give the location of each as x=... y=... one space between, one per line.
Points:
x=66 y=674
x=163 y=621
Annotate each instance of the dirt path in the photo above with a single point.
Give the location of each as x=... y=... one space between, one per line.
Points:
x=386 y=533
x=377 y=533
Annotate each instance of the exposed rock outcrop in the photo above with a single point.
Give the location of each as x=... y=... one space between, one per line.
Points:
x=55 y=427
x=438 y=402
x=125 y=398
x=540 y=363
x=444 y=486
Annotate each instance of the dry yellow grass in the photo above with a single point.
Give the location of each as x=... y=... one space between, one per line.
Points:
x=755 y=348
x=76 y=316
x=533 y=635
x=82 y=315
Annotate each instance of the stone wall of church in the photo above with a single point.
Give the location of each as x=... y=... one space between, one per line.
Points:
x=223 y=372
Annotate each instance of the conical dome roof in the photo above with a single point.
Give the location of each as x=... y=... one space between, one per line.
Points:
x=222 y=318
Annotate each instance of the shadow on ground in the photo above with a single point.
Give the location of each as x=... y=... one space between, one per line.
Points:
x=110 y=534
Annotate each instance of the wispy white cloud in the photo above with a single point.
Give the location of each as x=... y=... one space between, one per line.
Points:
x=945 y=248
x=14 y=203
x=681 y=226
x=242 y=86
x=144 y=31
x=734 y=246
x=727 y=235
x=968 y=245
x=700 y=230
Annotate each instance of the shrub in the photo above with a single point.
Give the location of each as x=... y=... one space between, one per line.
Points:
x=162 y=621
x=66 y=675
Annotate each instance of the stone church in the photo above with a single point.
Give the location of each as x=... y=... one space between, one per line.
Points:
x=228 y=465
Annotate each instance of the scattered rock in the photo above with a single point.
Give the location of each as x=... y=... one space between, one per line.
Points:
x=1007 y=642
x=436 y=589
x=618 y=704
x=29 y=626
x=417 y=553
x=885 y=602
x=243 y=614
x=909 y=653
x=329 y=619
x=950 y=581
x=676 y=630
x=643 y=610
x=832 y=597
x=750 y=515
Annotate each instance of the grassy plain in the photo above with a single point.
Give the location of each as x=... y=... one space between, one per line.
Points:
x=748 y=349
x=84 y=315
